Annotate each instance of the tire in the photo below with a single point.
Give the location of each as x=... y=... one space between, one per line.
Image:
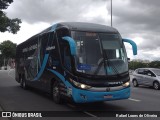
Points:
x=23 y=83
x=156 y=85
x=135 y=83
x=56 y=92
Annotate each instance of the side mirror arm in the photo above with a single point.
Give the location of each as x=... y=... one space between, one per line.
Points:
x=134 y=46
x=72 y=44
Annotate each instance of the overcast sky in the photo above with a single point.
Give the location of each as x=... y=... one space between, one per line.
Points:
x=138 y=20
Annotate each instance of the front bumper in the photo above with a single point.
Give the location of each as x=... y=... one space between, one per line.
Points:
x=84 y=96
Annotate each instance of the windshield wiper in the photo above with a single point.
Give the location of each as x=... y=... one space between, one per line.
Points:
x=99 y=66
x=109 y=63
x=105 y=60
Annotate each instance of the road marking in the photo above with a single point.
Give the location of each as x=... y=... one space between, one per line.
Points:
x=134 y=100
x=90 y=114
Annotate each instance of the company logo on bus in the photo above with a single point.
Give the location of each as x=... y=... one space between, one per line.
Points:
x=32 y=47
x=50 y=47
x=115 y=83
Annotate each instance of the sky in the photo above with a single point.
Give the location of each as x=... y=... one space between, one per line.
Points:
x=138 y=20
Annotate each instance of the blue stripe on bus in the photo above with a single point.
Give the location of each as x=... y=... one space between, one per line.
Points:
x=43 y=67
x=61 y=77
x=45 y=58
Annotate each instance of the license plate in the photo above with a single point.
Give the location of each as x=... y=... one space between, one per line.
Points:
x=108 y=96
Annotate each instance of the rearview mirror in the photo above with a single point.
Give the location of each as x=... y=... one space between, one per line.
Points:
x=134 y=46
x=72 y=44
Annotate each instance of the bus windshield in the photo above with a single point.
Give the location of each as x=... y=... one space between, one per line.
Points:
x=99 y=53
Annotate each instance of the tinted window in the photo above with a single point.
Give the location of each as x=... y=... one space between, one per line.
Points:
x=140 y=71
x=149 y=73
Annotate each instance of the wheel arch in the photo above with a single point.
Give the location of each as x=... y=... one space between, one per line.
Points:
x=156 y=81
x=134 y=79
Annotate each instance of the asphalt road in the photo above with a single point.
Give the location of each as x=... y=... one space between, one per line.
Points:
x=14 y=98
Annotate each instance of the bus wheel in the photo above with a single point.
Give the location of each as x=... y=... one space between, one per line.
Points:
x=56 y=92
x=23 y=83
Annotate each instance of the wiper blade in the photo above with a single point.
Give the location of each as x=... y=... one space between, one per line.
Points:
x=109 y=63
x=99 y=66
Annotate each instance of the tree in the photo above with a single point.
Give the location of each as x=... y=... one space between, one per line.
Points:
x=155 y=64
x=134 y=65
x=8 y=49
x=7 y=24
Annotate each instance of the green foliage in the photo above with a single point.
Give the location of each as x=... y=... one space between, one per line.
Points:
x=8 y=49
x=7 y=24
x=134 y=65
x=154 y=64
x=1 y=60
x=5 y=3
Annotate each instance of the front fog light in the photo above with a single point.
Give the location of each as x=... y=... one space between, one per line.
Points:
x=80 y=85
x=126 y=84
x=83 y=86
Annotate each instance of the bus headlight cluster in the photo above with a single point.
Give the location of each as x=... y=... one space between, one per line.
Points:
x=126 y=84
x=80 y=85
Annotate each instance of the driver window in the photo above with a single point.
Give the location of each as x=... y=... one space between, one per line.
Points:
x=64 y=48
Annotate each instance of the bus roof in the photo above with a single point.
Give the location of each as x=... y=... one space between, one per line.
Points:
x=79 y=26
x=82 y=26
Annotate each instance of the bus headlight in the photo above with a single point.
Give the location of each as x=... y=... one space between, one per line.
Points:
x=126 y=84
x=80 y=85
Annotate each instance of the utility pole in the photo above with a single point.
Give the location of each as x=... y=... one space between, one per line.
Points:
x=111 y=13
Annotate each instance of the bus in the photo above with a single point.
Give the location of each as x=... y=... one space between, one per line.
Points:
x=82 y=62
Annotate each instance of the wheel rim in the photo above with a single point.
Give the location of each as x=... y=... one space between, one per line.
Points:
x=156 y=85
x=56 y=92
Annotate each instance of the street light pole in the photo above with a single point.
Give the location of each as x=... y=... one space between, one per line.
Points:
x=111 y=13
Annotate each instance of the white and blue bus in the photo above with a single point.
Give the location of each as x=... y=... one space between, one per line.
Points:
x=84 y=62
